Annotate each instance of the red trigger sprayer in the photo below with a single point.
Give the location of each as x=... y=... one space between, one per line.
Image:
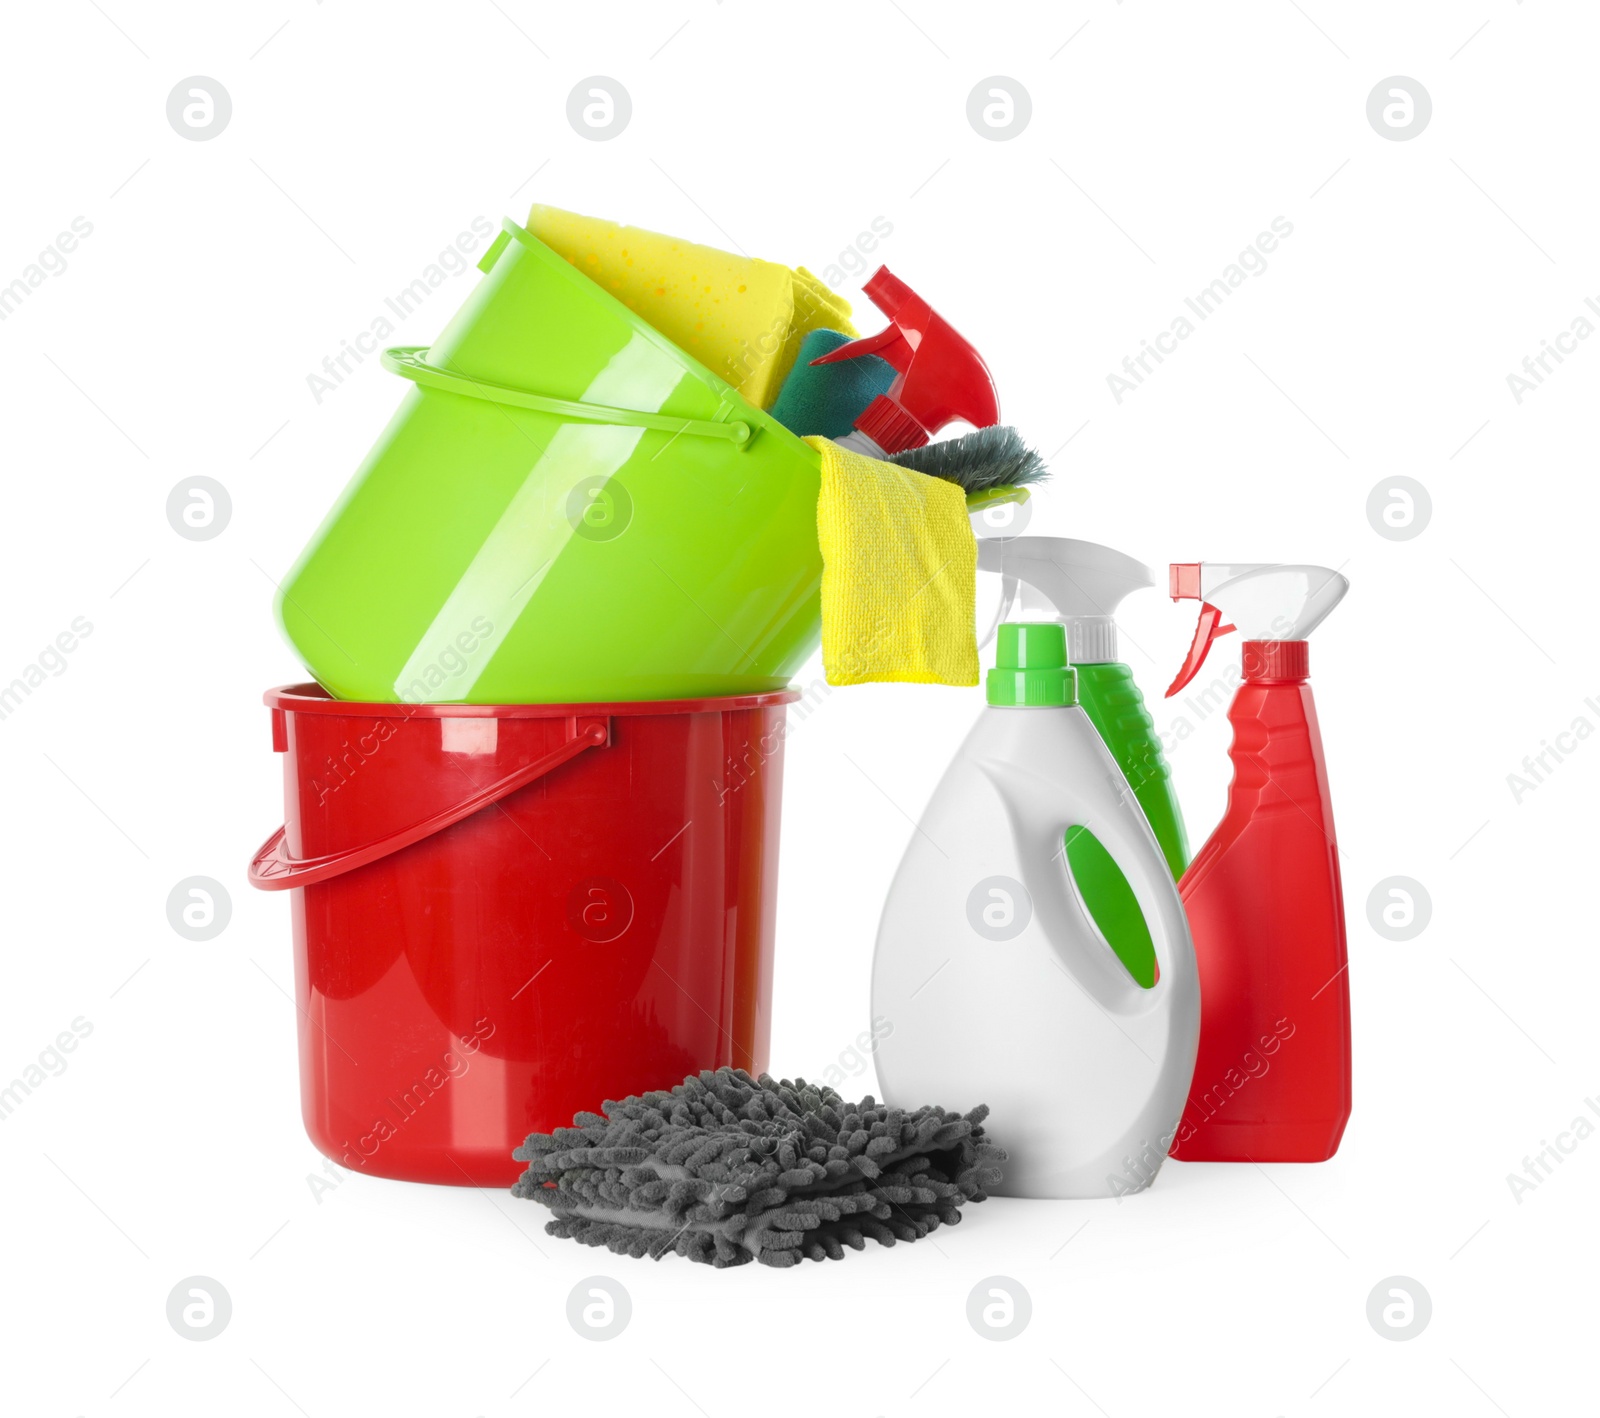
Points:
x=941 y=377
x=1272 y=1077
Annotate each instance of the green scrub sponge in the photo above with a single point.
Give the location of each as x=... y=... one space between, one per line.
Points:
x=825 y=400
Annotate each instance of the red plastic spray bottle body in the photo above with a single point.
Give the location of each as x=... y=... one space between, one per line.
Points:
x=1272 y=1078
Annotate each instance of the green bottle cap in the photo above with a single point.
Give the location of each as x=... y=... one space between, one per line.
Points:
x=1030 y=667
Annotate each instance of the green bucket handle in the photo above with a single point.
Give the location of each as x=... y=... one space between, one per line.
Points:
x=411 y=362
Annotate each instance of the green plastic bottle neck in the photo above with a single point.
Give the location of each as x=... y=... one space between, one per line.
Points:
x=1030 y=667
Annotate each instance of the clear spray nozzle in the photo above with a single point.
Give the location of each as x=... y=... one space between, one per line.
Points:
x=1081 y=584
x=1262 y=600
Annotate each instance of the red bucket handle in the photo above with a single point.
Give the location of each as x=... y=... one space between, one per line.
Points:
x=273 y=869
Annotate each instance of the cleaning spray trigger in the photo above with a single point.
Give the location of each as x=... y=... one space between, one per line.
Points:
x=940 y=378
x=1208 y=629
x=891 y=344
x=1268 y=602
x=1081 y=584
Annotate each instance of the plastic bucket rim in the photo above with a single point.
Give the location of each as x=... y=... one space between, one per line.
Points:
x=308 y=697
x=556 y=261
x=744 y=410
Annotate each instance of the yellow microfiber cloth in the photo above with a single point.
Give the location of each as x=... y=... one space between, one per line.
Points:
x=742 y=318
x=899 y=573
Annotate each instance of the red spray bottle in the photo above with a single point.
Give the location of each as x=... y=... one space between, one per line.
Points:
x=1272 y=1078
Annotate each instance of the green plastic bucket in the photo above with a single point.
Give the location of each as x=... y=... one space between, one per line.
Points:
x=565 y=508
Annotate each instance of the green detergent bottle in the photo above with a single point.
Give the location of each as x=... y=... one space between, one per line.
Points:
x=1081 y=584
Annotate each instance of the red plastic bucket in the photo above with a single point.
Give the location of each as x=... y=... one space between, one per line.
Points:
x=508 y=914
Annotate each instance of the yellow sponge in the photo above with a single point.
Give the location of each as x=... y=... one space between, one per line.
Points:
x=741 y=317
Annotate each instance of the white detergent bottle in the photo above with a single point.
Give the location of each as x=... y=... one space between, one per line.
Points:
x=993 y=981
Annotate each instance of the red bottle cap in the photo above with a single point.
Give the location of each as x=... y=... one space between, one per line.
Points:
x=1265 y=661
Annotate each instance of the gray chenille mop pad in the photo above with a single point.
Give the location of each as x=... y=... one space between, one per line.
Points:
x=726 y=1169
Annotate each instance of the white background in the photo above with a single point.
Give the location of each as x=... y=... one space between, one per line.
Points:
x=1164 y=137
